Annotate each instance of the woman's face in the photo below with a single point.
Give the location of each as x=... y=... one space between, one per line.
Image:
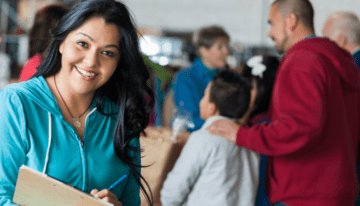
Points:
x=90 y=55
x=215 y=56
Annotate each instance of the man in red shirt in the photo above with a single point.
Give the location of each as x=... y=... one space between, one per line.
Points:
x=314 y=111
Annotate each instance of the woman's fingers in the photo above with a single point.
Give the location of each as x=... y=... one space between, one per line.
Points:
x=94 y=191
x=105 y=193
x=107 y=196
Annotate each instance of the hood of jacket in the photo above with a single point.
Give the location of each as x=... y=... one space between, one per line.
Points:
x=341 y=59
x=38 y=91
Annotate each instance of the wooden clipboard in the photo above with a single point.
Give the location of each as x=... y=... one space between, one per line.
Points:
x=35 y=188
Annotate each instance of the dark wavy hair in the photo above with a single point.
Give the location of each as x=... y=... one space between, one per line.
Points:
x=264 y=85
x=128 y=85
x=45 y=20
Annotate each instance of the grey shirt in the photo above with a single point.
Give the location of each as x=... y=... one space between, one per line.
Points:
x=212 y=171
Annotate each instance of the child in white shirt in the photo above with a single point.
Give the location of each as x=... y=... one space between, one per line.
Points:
x=210 y=169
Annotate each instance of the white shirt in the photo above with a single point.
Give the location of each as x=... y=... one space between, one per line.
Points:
x=212 y=171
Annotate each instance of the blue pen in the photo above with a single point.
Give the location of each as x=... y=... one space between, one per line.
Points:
x=117 y=183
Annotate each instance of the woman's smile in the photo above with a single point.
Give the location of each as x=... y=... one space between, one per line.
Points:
x=87 y=74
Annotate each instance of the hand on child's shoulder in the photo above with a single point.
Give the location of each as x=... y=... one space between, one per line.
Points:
x=224 y=128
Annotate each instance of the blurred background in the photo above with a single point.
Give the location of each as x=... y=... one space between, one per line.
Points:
x=167 y=25
x=166 y=28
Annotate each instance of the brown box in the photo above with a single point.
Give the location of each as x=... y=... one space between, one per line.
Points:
x=160 y=154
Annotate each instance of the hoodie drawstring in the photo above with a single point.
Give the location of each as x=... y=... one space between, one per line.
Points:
x=49 y=144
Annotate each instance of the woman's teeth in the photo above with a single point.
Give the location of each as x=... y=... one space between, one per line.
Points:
x=85 y=73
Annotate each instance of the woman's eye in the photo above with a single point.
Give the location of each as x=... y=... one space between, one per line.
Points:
x=83 y=44
x=109 y=53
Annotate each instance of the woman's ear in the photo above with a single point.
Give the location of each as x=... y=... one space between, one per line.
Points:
x=61 y=47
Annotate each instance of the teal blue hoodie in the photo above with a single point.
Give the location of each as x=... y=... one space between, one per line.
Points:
x=34 y=133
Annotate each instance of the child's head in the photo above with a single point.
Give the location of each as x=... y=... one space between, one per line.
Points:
x=228 y=94
x=261 y=70
x=212 y=45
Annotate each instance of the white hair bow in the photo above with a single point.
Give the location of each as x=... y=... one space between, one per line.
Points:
x=257 y=68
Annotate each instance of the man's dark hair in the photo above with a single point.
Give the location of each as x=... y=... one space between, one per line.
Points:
x=302 y=9
x=230 y=92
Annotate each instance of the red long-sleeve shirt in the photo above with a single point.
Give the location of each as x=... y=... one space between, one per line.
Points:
x=312 y=139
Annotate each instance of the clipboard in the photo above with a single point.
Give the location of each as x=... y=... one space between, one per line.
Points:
x=35 y=188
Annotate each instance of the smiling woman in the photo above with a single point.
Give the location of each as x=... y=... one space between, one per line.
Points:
x=88 y=57
x=79 y=118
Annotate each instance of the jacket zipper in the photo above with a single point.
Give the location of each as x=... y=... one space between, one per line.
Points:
x=82 y=139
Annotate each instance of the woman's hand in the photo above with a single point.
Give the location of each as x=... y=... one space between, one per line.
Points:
x=106 y=195
x=224 y=128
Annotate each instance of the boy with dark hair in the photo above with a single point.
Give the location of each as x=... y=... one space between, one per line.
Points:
x=210 y=169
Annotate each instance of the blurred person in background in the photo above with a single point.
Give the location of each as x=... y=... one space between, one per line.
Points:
x=40 y=37
x=344 y=29
x=261 y=71
x=212 y=47
x=210 y=169
x=314 y=112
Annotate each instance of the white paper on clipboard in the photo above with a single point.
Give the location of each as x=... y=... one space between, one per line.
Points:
x=35 y=188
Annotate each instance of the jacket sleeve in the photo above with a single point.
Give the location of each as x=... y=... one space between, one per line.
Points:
x=298 y=105
x=186 y=171
x=131 y=194
x=184 y=99
x=13 y=144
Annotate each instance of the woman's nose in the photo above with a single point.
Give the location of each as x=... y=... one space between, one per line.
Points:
x=92 y=59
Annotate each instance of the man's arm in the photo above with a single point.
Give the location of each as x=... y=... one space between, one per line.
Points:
x=297 y=112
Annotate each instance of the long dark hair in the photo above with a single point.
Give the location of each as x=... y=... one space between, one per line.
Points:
x=45 y=20
x=128 y=85
x=264 y=84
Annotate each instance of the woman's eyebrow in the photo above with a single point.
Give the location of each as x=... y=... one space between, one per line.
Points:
x=91 y=39
x=112 y=45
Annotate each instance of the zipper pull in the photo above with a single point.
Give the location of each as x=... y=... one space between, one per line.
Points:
x=81 y=141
